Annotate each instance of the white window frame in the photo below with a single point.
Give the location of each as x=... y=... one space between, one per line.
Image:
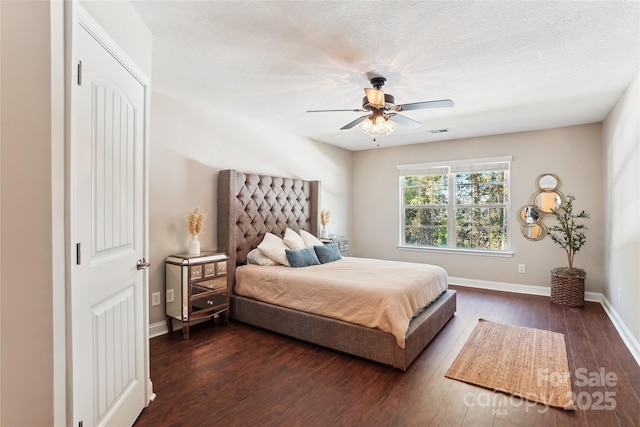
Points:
x=451 y=168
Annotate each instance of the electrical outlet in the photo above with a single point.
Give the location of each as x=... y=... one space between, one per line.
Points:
x=521 y=268
x=169 y=295
x=155 y=299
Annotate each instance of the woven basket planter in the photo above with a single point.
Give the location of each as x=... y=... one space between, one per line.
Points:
x=567 y=290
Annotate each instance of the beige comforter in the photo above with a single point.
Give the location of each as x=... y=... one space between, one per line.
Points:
x=369 y=292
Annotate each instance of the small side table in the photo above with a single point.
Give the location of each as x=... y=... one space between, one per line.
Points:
x=197 y=287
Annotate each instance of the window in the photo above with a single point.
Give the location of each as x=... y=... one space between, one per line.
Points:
x=458 y=205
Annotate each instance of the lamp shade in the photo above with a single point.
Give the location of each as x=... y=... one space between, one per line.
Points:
x=375 y=97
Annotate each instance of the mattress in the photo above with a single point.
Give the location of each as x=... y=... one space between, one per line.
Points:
x=374 y=293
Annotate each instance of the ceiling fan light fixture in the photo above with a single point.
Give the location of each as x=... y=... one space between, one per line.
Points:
x=375 y=97
x=377 y=125
x=382 y=111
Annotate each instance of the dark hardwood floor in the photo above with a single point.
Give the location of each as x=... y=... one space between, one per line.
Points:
x=238 y=375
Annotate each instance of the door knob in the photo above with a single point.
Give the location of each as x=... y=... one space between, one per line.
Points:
x=142 y=264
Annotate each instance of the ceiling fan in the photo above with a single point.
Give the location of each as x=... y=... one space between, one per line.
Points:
x=381 y=109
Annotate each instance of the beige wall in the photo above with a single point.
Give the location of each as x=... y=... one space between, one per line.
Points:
x=190 y=144
x=26 y=370
x=622 y=183
x=572 y=153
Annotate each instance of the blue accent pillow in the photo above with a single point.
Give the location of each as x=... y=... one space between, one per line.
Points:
x=302 y=257
x=328 y=253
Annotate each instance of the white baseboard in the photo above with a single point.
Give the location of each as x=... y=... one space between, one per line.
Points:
x=630 y=341
x=500 y=286
x=160 y=328
x=151 y=395
x=157 y=329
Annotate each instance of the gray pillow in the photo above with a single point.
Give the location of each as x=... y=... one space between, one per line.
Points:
x=328 y=253
x=302 y=257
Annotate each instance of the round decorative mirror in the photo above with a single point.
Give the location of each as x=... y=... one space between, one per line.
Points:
x=548 y=182
x=534 y=231
x=546 y=200
x=529 y=214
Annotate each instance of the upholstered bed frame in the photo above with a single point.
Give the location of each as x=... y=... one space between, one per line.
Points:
x=251 y=205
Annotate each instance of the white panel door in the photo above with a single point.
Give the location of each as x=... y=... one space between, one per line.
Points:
x=108 y=226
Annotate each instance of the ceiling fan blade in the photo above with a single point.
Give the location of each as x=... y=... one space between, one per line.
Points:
x=442 y=103
x=354 y=110
x=355 y=122
x=404 y=121
x=375 y=97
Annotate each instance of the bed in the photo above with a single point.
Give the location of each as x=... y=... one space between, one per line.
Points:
x=250 y=206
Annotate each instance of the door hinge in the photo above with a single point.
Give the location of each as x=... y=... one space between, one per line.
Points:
x=78 y=253
x=79 y=73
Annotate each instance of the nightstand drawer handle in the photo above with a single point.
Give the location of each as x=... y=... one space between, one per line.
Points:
x=142 y=264
x=210 y=302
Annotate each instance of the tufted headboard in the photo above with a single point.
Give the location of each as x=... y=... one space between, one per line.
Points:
x=251 y=205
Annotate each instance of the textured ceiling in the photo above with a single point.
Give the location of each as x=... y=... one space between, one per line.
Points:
x=508 y=66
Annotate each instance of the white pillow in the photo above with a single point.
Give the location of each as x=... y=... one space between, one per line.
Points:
x=309 y=239
x=293 y=240
x=274 y=247
x=256 y=257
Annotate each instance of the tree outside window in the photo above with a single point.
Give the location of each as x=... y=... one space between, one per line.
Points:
x=458 y=207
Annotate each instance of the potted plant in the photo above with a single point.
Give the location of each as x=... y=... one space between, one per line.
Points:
x=325 y=215
x=195 y=222
x=567 y=283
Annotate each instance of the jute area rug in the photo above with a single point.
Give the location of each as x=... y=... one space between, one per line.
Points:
x=525 y=362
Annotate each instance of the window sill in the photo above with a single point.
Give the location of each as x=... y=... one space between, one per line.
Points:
x=458 y=251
